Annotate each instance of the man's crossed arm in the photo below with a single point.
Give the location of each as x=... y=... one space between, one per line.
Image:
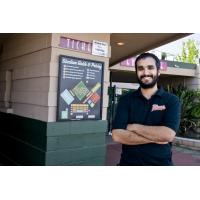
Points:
x=141 y=134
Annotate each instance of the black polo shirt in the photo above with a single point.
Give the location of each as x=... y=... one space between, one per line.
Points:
x=163 y=109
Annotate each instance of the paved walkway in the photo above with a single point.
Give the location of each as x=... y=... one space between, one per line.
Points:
x=182 y=156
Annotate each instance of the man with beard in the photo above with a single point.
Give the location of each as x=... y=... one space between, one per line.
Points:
x=146 y=120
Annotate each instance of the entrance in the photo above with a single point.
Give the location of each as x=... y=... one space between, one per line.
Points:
x=116 y=91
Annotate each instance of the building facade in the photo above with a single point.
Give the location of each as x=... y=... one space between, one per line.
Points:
x=31 y=132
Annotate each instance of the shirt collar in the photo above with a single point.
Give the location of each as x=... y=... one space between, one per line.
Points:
x=159 y=92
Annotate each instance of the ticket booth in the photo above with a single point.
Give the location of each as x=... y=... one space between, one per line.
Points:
x=54 y=99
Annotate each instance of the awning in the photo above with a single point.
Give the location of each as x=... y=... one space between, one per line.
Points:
x=136 y=43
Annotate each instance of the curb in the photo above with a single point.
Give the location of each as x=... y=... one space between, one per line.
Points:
x=191 y=143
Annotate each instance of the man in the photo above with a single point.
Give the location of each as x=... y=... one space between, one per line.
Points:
x=146 y=120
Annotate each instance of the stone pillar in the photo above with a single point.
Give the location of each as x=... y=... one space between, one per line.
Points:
x=30 y=134
x=76 y=142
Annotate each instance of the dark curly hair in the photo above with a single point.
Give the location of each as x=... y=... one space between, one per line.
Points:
x=145 y=55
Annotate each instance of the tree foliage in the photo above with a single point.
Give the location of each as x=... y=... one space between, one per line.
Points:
x=190 y=52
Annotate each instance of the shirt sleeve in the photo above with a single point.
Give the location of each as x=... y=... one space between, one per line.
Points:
x=121 y=116
x=172 y=114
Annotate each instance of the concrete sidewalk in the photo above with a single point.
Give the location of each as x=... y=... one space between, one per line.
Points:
x=182 y=156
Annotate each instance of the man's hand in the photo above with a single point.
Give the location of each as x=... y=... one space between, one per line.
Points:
x=161 y=142
x=130 y=127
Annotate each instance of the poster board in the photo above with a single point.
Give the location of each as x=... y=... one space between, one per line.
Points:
x=79 y=89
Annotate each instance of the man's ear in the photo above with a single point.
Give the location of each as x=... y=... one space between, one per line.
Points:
x=159 y=72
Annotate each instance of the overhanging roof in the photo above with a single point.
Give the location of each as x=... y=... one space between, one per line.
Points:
x=136 y=43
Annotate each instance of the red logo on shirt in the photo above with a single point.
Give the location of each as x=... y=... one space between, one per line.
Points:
x=157 y=107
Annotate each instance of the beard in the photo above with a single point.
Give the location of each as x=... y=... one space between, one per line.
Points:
x=148 y=85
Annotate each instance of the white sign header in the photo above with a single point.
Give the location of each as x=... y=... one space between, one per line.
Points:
x=100 y=48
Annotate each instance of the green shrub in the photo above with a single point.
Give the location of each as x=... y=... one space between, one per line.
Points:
x=190 y=107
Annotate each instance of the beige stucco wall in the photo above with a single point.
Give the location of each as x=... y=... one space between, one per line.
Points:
x=32 y=61
x=174 y=76
x=27 y=57
x=194 y=83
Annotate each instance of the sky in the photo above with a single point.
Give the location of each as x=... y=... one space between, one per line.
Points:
x=175 y=47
